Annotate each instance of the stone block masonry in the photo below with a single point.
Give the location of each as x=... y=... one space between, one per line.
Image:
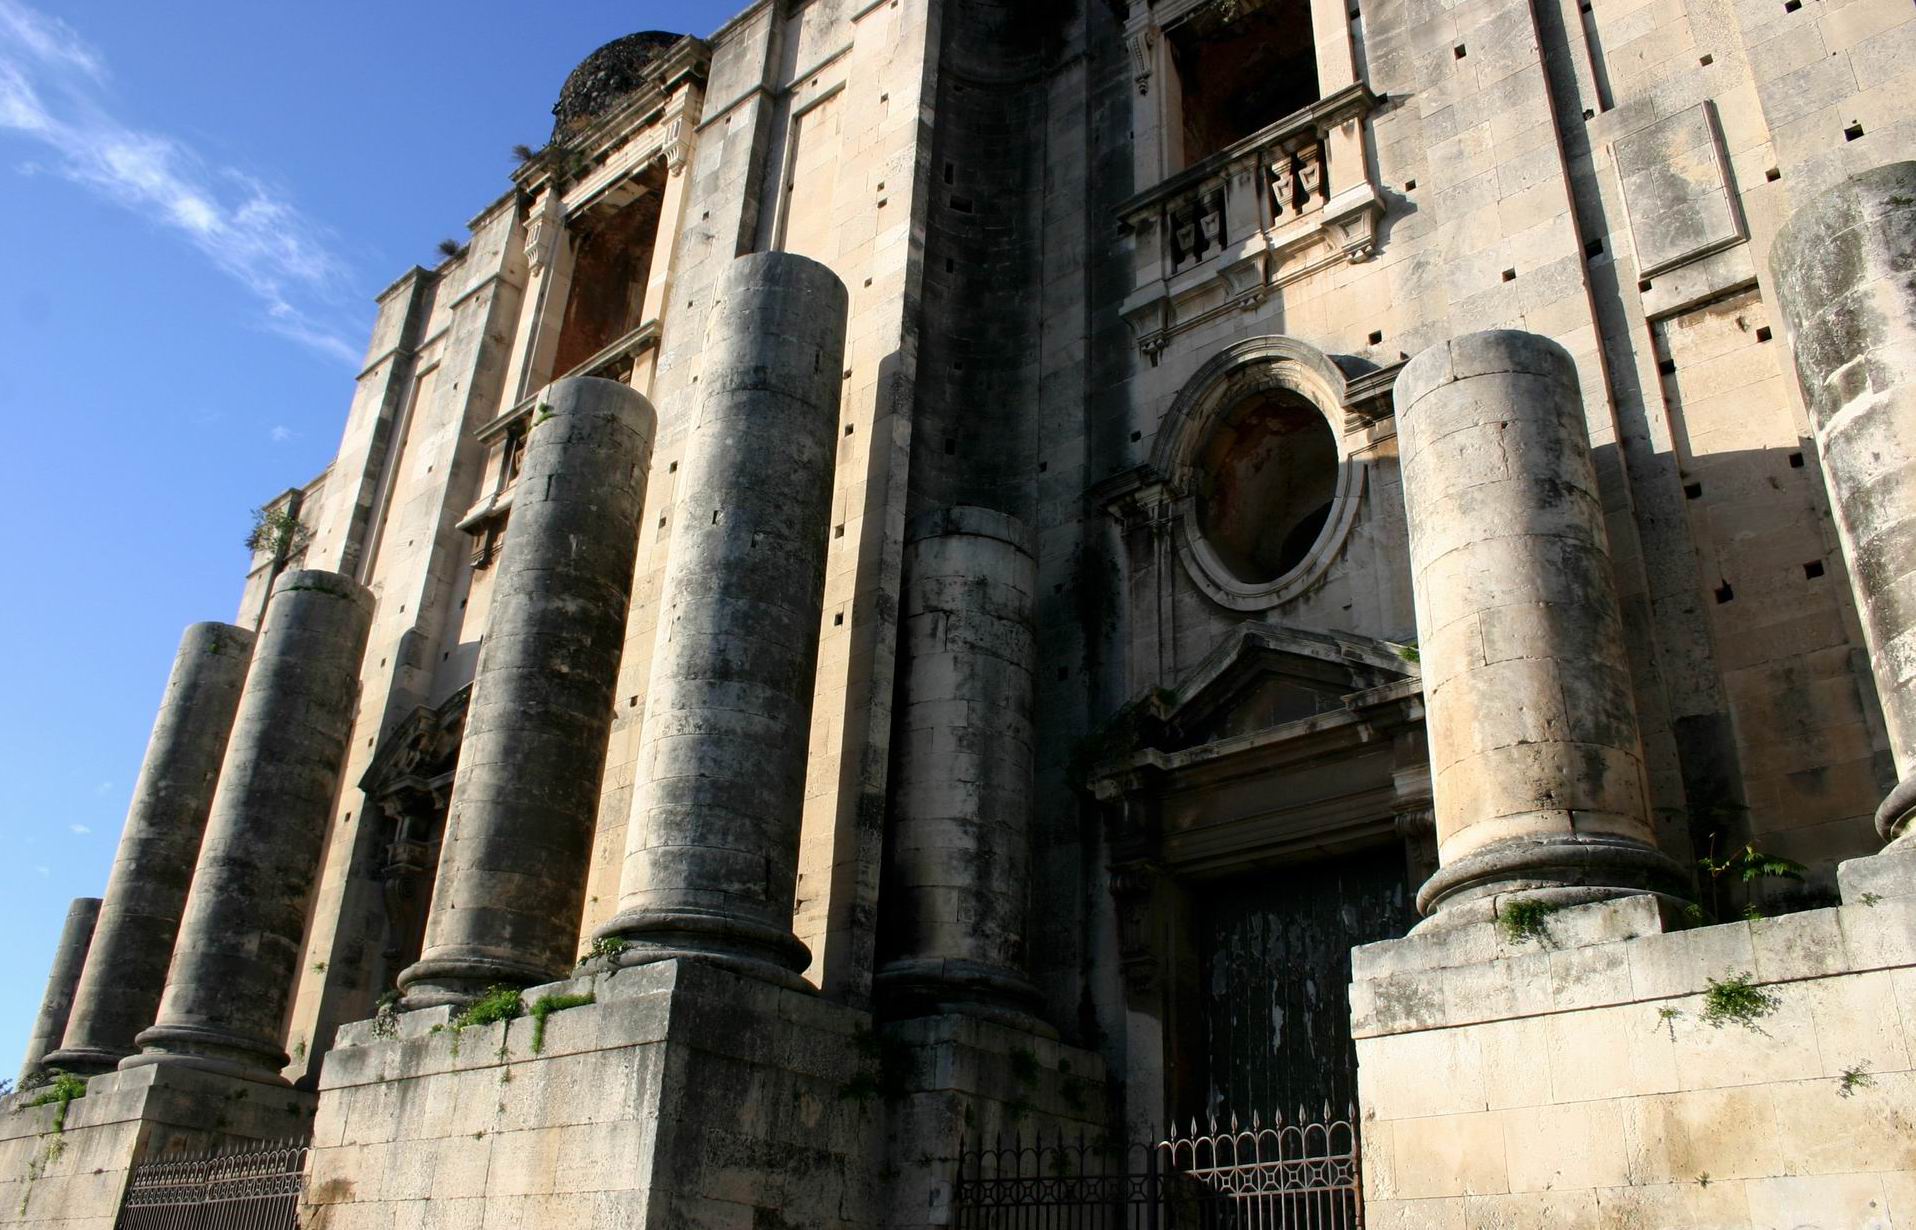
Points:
x=119 y=991
x=518 y=841
x=237 y=957
x=1602 y=1070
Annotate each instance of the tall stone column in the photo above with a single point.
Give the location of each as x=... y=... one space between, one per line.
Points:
x=237 y=956
x=958 y=852
x=518 y=845
x=119 y=992
x=1845 y=272
x=56 y=1003
x=711 y=858
x=1536 y=762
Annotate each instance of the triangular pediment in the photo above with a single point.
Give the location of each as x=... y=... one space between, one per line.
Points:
x=1264 y=676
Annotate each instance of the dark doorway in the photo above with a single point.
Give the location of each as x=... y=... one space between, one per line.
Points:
x=1275 y=981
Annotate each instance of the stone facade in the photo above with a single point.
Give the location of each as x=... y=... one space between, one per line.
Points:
x=939 y=568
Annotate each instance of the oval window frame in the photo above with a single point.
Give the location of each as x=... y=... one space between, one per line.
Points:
x=1236 y=373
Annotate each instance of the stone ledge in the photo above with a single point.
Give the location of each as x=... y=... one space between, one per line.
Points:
x=1610 y=953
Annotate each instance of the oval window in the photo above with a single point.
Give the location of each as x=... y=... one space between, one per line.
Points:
x=1267 y=476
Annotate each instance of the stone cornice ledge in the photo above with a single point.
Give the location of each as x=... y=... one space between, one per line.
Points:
x=1608 y=954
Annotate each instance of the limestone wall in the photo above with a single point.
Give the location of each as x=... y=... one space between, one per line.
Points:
x=1575 y=1077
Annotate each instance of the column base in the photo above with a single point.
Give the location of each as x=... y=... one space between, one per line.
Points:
x=459 y=976
x=932 y=986
x=756 y=950
x=209 y=1050
x=1894 y=816
x=1561 y=870
x=83 y=1060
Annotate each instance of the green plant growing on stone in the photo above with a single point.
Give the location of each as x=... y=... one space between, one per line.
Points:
x=605 y=949
x=497 y=1004
x=1747 y=866
x=450 y=248
x=1855 y=1077
x=1667 y=1018
x=61 y=1090
x=386 y=1016
x=1870 y=899
x=543 y=413
x=545 y=1006
x=278 y=532
x=1525 y=919
x=1737 y=999
x=1409 y=653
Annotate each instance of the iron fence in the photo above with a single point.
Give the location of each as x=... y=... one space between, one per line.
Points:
x=257 y=1189
x=1305 y=1174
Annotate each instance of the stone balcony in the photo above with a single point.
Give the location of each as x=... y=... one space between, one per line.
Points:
x=1281 y=204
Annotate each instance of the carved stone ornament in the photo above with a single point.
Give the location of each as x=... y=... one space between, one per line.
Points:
x=1143 y=45
x=545 y=231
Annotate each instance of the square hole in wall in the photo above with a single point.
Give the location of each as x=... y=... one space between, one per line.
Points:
x=1136 y=436
x=838 y=620
x=661 y=522
x=1588 y=114
x=1043 y=466
x=1706 y=61
x=951 y=447
x=1667 y=366
x=1813 y=569
x=1852 y=132
x=1410 y=185
x=1796 y=461
x=1762 y=333
x=1790 y=6
x=1772 y=175
x=1693 y=491
x=848 y=429
x=838 y=531
x=961 y=204
x=1724 y=593
x=672 y=467
x=1459 y=51
x=1510 y=275
x=1593 y=249
x=1377 y=337
x=1643 y=286
x=1064 y=672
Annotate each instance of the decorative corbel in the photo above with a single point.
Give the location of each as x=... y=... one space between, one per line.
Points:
x=680 y=122
x=545 y=230
x=1143 y=42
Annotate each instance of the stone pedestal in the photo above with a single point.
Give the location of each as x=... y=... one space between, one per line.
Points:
x=518 y=842
x=66 y=1165
x=712 y=845
x=1536 y=762
x=958 y=853
x=119 y=991
x=56 y=1002
x=1845 y=276
x=237 y=958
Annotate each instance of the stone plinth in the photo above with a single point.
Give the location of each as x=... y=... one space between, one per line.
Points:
x=712 y=845
x=1575 y=1074
x=685 y=1095
x=1536 y=763
x=518 y=841
x=959 y=848
x=66 y=1168
x=63 y=977
x=1845 y=270
x=119 y=992
x=237 y=957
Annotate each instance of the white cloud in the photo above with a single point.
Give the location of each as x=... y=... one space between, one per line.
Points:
x=281 y=434
x=50 y=92
x=103 y=788
x=44 y=870
x=79 y=829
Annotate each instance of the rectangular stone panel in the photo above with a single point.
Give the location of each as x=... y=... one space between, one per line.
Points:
x=1676 y=190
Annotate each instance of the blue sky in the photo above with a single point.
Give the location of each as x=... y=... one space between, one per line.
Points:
x=200 y=201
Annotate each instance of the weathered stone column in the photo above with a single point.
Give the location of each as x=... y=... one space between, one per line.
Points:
x=712 y=848
x=56 y=1004
x=237 y=956
x=1845 y=270
x=512 y=872
x=119 y=992
x=958 y=852
x=1536 y=762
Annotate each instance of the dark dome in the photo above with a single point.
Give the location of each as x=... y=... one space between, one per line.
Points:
x=605 y=77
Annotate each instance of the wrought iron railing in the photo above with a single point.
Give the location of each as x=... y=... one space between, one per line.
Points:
x=257 y=1189
x=1264 y=1176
